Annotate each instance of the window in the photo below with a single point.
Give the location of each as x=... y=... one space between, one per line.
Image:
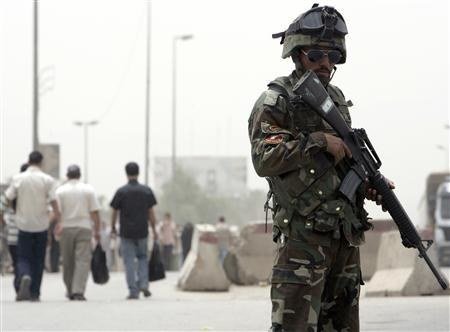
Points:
x=445 y=206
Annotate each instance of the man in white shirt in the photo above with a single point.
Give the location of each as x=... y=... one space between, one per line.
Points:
x=79 y=205
x=34 y=190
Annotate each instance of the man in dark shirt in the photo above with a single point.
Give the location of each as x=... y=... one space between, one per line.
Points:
x=135 y=203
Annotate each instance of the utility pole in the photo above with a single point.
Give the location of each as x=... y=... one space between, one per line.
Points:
x=147 y=96
x=35 y=77
x=85 y=125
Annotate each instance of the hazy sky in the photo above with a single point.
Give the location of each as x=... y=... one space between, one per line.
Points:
x=92 y=60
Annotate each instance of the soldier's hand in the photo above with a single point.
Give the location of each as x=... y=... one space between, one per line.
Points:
x=337 y=148
x=372 y=194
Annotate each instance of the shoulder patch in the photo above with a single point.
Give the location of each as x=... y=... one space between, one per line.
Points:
x=271 y=97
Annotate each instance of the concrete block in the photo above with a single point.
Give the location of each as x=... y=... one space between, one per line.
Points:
x=369 y=254
x=251 y=260
x=388 y=282
x=369 y=250
x=400 y=272
x=202 y=270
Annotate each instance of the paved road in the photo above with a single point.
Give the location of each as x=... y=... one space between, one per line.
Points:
x=240 y=309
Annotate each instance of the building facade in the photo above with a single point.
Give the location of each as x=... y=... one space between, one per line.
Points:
x=217 y=176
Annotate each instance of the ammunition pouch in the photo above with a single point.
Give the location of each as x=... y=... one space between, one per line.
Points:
x=326 y=217
x=281 y=221
x=305 y=188
x=311 y=193
x=293 y=184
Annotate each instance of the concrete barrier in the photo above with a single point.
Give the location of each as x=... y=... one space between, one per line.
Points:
x=250 y=261
x=400 y=272
x=202 y=270
x=369 y=250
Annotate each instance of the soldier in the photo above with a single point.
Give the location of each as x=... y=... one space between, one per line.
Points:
x=316 y=278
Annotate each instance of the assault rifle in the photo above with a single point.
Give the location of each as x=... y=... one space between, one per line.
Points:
x=363 y=165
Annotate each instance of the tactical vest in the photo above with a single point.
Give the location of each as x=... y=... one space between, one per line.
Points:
x=306 y=201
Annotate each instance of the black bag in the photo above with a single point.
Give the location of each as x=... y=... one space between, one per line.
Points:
x=155 y=265
x=100 y=272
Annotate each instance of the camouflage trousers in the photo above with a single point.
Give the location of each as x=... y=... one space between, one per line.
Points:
x=316 y=288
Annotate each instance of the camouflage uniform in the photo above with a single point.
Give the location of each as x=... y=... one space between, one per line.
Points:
x=316 y=277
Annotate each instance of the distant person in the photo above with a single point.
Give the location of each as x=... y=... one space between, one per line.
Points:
x=79 y=206
x=135 y=203
x=167 y=231
x=3 y=208
x=13 y=233
x=53 y=247
x=224 y=238
x=106 y=243
x=34 y=190
x=5 y=260
x=186 y=238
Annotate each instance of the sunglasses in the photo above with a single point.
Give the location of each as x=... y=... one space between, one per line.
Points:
x=334 y=56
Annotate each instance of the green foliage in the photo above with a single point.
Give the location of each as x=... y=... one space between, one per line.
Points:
x=186 y=201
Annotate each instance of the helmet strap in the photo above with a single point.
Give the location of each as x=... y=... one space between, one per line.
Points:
x=331 y=76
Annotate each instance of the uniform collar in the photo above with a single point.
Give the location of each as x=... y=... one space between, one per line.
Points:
x=295 y=76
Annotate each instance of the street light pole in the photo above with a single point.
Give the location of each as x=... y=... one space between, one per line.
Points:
x=174 y=98
x=85 y=125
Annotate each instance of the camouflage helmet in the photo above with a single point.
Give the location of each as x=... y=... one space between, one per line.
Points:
x=319 y=26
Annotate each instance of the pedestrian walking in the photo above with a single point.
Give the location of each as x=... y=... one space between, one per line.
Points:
x=53 y=247
x=12 y=234
x=223 y=237
x=34 y=190
x=186 y=238
x=167 y=230
x=135 y=203
x=79 y=206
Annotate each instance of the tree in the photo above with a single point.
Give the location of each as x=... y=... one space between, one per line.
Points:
x=186 y=201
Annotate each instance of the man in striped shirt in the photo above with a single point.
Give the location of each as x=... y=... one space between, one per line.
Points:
x=13 y=233
x=34 y=191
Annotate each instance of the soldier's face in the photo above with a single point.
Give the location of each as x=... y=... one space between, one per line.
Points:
x=322 y=67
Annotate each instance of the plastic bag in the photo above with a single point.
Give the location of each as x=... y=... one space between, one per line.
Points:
x=99 y=270
x=155 y=265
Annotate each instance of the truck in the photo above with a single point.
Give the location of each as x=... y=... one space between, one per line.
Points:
x=442 y=222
